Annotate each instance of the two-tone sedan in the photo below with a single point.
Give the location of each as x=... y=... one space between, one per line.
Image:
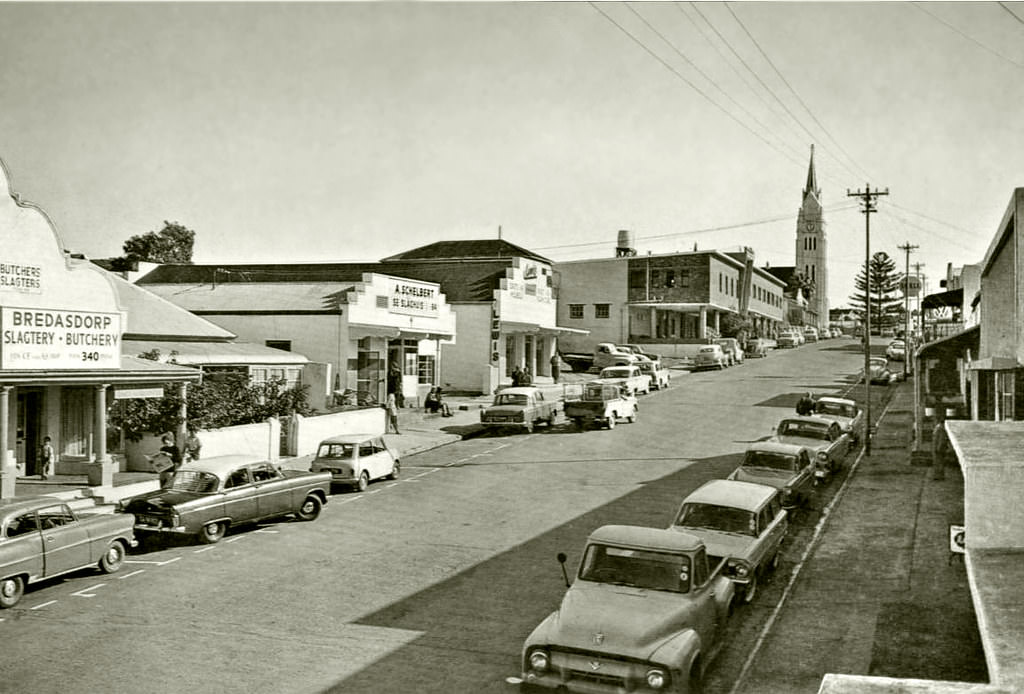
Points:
x=844 y=412
x=824 y=438
x=741 y=522
x=206 y=497
x=43 y=537
x=785 y=466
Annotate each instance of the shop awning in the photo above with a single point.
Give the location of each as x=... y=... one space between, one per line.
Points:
x=357 y=330
x=133 y=370
x=953 y=298
x=215 y=353
x=957 y=343
x=995 y=364
x=519 y=327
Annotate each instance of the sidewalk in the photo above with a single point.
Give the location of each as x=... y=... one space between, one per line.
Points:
x=878 y=593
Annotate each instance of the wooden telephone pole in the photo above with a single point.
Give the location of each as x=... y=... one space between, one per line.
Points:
x=907 y=248
x=869 y=200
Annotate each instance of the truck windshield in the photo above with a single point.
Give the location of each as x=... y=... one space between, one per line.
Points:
x=721 y=518
x=638 y=568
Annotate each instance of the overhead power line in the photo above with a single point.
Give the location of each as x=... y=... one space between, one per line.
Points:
x=1012 y=13
x=692 y=86
x=970 y=38
x=778 y=72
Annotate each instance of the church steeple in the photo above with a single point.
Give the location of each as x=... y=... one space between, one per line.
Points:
x=812 y=178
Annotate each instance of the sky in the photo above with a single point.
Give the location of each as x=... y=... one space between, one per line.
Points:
x=346 y=131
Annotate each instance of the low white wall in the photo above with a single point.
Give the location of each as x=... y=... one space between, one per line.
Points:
x=308 y=432
x=261 y=440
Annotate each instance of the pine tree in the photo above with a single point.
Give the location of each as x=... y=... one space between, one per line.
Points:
x=886 y=288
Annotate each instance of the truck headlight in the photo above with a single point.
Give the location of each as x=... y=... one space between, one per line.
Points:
x=539 y=660
x=175 y=520
x=738 y=568
x=520 y=416
x=822 y=456
x=657 y=678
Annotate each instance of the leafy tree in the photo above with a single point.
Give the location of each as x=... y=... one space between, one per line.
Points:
x=799 y=282
x=212 y=404
x=734 y=325
x=886 y=302
x=172 y=244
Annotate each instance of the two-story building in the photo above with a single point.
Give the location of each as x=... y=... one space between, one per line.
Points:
x=667 y=301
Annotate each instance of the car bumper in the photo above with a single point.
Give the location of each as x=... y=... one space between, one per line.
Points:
x=147 y=528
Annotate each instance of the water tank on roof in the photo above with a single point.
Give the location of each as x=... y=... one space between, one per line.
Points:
x=626 y=244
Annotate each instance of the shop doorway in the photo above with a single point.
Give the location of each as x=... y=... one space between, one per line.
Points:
x=368 y=378
x=29 y=425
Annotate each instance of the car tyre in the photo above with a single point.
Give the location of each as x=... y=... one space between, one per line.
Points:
x=113 y=558
x=213 y=532
x=750 y=590
x=396 y=470
x=695 y=682
x=578 y=421
x=11 y=590
x=310 y=509
x=529 y=427
x=611 y=420
x=632 y=418
x=363 y=482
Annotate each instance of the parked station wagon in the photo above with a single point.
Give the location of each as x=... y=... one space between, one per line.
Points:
x=356 y=460
x=646 y=613
x=43 y=537
x=207 y=496
x=520 y=406
x=741 y=522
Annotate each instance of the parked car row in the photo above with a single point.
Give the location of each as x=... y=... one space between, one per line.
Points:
x=649 y=606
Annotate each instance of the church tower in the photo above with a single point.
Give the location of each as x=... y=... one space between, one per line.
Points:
x=812 y=247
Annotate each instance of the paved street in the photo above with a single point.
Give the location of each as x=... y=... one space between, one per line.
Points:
x=426 y=584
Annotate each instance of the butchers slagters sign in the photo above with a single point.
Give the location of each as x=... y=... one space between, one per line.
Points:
x=40 y=338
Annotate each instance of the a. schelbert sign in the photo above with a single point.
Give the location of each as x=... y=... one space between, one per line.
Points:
x=413 y=298
x=42 y=338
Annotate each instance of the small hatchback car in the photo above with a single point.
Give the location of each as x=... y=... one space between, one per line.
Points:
x=356 y=459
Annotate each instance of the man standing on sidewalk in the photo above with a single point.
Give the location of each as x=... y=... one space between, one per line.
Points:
x=392 y=414
x=940 y=445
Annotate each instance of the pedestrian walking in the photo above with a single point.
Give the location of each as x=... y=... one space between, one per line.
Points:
x=192 y=446
x=527 y=378
x=517 y=376
x=940 y=445
x=173 y=453
x=392 y=414
x=806 y=404
x=556 y=367
x=45 y=457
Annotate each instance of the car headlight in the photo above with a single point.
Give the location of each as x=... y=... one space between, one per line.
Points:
x=822 y=456
x=175 y=520
x=539 y=660
x=738 y=568
x=520 y=416
x=657 y=678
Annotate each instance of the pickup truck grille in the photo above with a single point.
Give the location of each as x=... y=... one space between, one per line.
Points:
x=598 y=668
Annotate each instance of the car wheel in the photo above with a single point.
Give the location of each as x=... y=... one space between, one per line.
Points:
x=363 y=482
x=695 y=682
x=611 y=420
x=750 y=591
x=632 y=418
x=310 y=508
x=11 y=590
x=396 y=470
x=578 y=421
x=529 y=427
x=113 y=558
x=773 y=565
x=213 y=532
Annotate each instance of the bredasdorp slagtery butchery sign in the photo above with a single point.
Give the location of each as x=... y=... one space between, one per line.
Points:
x=39 y=338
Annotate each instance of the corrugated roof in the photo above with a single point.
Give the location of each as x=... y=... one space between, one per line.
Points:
x=149 y=315
x=255 y=273
x=206 y=299
x=482 y=249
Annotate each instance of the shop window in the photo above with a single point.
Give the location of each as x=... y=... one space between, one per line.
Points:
x=719 y=281
x=684 y=278
x=670 y=278
x=286 y=345
x=576 y=311
x=76 y=427
x=602 y=310
x=425 y=368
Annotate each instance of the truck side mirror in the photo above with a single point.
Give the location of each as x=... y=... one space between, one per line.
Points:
x=565 y=574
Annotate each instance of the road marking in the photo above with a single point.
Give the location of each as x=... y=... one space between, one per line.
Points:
x=83 y=594
x=373 y=491
x=393 y=484
x=204 y=549
x=818 y=530
x=146 y=561
x=133 y=573
x=37 y=607
x=267 y=530
x=234 y=539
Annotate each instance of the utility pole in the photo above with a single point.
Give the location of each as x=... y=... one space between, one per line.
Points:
x=907 y=248
x=869 y=200
x=920 y=298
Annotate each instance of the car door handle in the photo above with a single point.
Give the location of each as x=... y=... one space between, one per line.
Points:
x=49 y=538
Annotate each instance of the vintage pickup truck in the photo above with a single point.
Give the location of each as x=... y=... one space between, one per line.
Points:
x=605 y=354
x=628 y=377
x=522 y=406
x=601 y=404
x=207 y=496
x=646 y=614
